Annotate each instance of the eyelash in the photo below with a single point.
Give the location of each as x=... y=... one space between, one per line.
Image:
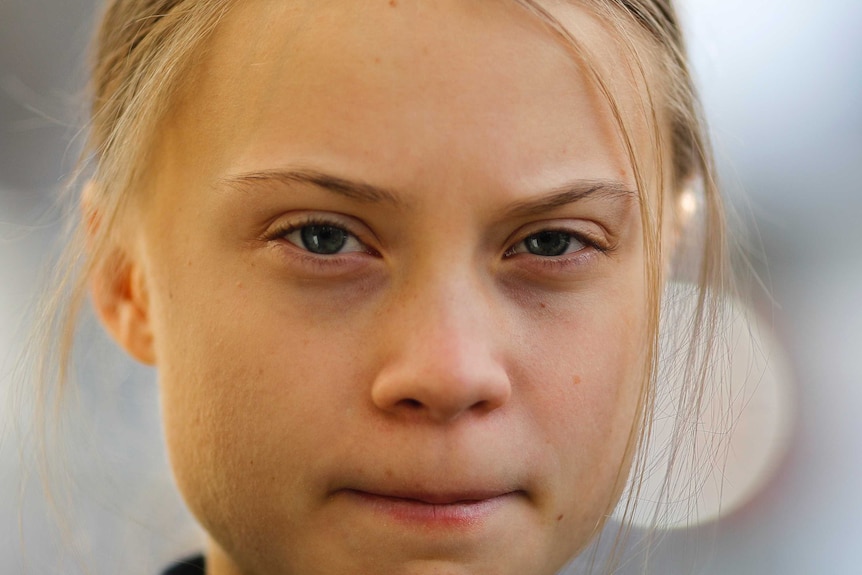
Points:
x=586 y=240
x=325 y=262
x=552 y=262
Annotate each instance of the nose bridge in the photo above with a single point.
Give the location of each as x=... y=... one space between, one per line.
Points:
x=442 y=355
x=448 y=306
x=446 y=302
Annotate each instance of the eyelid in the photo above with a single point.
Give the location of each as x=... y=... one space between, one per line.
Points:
x=286 y=225
x=597 y=240
x=519 y=247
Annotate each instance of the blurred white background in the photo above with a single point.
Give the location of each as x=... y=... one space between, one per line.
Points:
x=782 y=84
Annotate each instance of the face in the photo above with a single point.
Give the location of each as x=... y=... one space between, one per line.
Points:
x=394 y=269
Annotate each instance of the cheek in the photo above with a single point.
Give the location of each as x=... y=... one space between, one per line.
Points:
x=585 y=373
x=260 y=392
x=237 y=376
x=217 y=356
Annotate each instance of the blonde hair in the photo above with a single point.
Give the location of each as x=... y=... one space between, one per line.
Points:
x=144 y=49
x=691 y=163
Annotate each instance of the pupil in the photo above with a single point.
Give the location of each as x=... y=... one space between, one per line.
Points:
x=548 y=243
x=325 y=240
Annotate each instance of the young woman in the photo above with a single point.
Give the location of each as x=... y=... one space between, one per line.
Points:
x=399 y=265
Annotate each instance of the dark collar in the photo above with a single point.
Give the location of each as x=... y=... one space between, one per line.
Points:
x=190 y=566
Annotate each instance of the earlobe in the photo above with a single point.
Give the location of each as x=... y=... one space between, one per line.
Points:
x=118 y=288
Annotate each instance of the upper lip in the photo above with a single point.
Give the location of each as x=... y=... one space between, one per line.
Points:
x=439 y=497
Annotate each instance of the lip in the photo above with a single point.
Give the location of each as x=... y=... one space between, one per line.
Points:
x=463 y=509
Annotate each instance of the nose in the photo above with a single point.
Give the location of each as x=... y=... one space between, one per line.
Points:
x=442 y=359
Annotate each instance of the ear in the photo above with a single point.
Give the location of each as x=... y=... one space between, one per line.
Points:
x=683 y=214
x=118 y=288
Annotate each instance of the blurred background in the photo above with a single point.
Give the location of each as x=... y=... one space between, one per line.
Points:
x=782 y=85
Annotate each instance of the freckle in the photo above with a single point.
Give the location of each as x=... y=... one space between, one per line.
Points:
x=376 y=60
x=388 y=473
x=393 y=3
x=559 y=517
x=576 y=380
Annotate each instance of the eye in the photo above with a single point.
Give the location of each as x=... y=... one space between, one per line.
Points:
x=549 y=243
x=323 y=239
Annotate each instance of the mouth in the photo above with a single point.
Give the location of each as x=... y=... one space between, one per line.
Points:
x=461 y=509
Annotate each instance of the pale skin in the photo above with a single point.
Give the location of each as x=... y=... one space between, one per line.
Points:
x=438 y=390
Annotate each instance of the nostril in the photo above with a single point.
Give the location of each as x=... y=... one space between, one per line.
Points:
x=412 y=404
x=482 y=406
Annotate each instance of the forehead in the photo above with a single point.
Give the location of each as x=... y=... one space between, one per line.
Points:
x=401 y=92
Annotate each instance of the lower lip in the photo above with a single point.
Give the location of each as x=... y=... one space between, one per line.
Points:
x=459 y=514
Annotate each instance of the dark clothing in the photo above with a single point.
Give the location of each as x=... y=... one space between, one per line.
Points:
x=190 y=566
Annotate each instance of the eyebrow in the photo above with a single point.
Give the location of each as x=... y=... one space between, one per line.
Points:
x=558 y=196
x=355 y=190
x=570 y=193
